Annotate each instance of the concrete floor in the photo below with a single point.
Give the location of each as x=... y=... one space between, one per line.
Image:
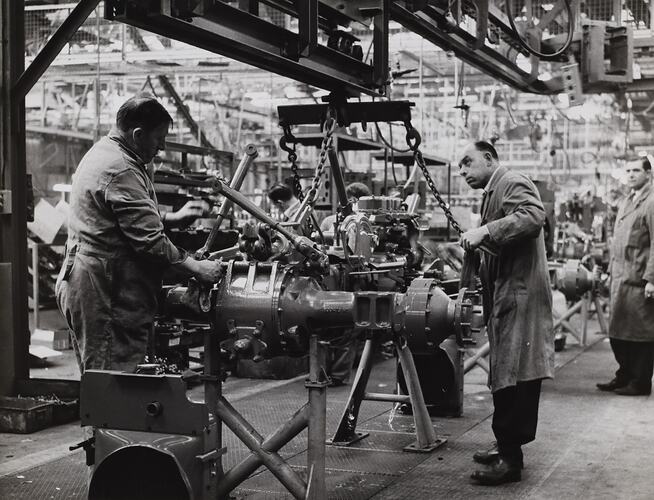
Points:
x=590 y=445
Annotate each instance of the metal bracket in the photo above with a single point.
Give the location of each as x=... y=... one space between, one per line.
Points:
x=349 y=112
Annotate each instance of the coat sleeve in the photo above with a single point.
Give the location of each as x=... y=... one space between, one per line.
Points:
x=139 y=220
x=524 y=214
x=648 y=276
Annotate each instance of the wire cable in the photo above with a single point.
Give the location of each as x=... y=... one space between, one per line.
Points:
x=388 y=144
x=534 y=52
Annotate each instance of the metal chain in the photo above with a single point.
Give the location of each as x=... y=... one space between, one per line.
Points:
x=413 y=140
x=297 y=186
x=329 y=127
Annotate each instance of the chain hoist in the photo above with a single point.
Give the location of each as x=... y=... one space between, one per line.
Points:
x=413 y=140
x=289 y=138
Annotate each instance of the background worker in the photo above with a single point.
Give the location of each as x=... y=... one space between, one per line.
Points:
x=117 y=250
x=517 y=305
x=631 y=321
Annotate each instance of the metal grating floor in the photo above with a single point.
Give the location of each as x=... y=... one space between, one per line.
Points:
x=579 y=451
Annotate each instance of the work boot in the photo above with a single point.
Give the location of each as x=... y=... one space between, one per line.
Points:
x=499 y=472
x=633 y=390
x=612 y=385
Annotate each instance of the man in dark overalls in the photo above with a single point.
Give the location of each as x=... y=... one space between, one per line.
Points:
x=117 y=250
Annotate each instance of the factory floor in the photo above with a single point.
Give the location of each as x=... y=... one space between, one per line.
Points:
x=590 y=444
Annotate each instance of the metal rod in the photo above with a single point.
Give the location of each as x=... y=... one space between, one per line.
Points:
x=236 y=183
x=254 y=210
x=317 y=386
x=389 y=398
x=348 y=422
x=35 y=284
x=585 y=306
x=252 y=439
x=425 y=434
x=337 y=177
x=568 y=314
x=212 y=395
x=470 y=363
x=52 y=48
x=282 y=435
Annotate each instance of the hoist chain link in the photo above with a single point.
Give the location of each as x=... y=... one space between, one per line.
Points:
x=413 y=140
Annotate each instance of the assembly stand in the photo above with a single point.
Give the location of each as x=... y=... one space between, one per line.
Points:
x=345 y=435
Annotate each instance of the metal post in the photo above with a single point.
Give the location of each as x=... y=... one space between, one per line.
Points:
x=317 y=386
x=585 y=306
x=14 y=330
x=212 y=394
x=426 y=439
x=346 y=433
x=35 y=284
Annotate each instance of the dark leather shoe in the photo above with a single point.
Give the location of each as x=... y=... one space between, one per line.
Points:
x=499 y=472
x=611 y=386
x=632 y=390
x=490 y=456
x=487 y=457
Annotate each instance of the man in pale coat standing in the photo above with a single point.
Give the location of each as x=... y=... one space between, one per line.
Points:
x=631 y=324
x=517 y=305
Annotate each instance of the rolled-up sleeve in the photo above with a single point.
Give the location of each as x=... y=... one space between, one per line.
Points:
x=137 y=216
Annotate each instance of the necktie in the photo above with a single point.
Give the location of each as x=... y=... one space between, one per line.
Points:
x=484 y=198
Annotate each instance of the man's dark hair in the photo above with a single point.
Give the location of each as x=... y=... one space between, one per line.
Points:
x=142 y=111
x=357 y=190
x=487 y=147
x=280 y=192
x=647 y=166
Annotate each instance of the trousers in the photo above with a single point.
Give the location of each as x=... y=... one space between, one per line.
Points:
x=515 y=418
x=635 y=361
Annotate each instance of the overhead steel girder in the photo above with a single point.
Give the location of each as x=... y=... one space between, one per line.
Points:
x=52 y=48
x=239 y=35
x=426 y=24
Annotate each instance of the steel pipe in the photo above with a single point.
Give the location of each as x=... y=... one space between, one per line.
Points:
x=273 y=443
x=236 y=182
x=252 y=439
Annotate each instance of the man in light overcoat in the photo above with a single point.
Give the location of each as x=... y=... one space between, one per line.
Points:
x=631 y=322
x=517 y=305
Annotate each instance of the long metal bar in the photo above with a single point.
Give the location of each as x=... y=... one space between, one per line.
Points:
x=243 y=202
x=244 y=37
x=212 y=394
x=425 y=23
x=355 y=112
x=236 y=182
x=14 y=331
x=252 y=439
x=317 y=386
x=52 y=48
x=36 y=302
x=184 y=111
x=337 y=177
x=346 y=432
x=568 y=314
x=282 y=435
x=387 y=398
x=425 y=434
